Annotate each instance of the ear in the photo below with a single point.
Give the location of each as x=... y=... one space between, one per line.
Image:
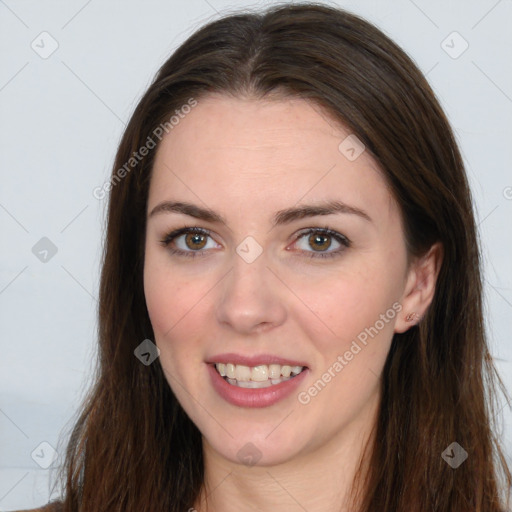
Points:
x=420 y=287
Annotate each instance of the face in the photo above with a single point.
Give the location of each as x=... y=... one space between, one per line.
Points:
x=255 y=262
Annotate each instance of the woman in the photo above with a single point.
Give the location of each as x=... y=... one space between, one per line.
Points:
x=291 y=297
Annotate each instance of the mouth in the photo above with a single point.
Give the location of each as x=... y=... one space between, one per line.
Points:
x=256 y=377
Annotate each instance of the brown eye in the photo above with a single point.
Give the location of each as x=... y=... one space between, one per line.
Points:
x=189 y=242
x=320 y=242
x=195 y=241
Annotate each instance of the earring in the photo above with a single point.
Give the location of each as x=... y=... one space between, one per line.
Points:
x=411 y=317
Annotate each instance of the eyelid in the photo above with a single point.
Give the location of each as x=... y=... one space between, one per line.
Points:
x=340 y=238
x=325 y=231
x=169 y=237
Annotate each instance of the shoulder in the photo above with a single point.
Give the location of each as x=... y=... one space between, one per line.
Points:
x=51 y=507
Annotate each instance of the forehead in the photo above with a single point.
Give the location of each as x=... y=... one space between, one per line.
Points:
x=233 y=153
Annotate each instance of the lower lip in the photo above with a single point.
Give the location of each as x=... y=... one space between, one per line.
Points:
x=263 y=397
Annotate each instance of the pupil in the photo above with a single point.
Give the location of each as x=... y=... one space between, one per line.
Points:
x=317 y=240
x=195 y=238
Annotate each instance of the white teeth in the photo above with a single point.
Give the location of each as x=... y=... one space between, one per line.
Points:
x=286 y=370
x=242 y=373
x=221 y=368
x=250 y=384
x=256 y=385
x=261 y=373
x=274 y=371
x=230 y=371
x=296 y=370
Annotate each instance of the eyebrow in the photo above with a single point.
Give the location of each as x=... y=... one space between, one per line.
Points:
x=285 y=216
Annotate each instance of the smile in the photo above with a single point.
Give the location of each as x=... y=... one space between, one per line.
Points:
x=255 y=377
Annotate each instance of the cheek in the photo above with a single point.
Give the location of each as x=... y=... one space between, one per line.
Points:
x=351 y=342
x=340 y=304
x=344 y=316
x=160 y=293
x=173 y=302
x=177 y=314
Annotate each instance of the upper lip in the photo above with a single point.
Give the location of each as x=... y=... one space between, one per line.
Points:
x=254 y=360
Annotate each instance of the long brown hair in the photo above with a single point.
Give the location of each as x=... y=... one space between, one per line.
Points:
x=133 y=448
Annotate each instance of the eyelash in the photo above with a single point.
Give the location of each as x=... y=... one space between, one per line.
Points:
x=343 y=240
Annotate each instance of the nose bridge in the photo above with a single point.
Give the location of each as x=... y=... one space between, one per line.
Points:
x=250 y=296
x=250 y=272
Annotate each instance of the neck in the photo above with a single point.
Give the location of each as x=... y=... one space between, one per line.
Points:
x=319 y=478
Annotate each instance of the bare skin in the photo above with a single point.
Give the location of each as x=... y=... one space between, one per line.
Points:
x=247 y=160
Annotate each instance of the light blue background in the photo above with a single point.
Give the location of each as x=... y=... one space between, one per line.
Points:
x=61 y=120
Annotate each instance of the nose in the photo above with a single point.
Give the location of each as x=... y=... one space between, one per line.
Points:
x=252 y=299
